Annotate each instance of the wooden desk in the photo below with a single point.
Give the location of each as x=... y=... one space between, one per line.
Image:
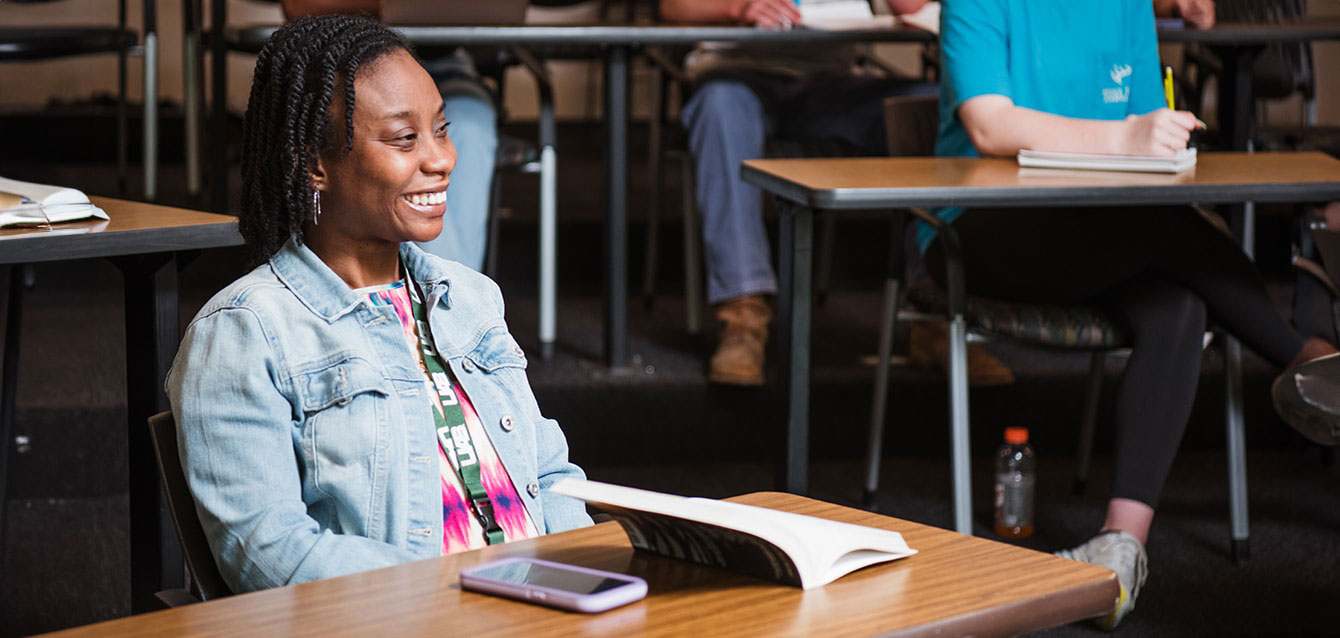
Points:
x=803 y=187
x=143 y=240
x=956 y=585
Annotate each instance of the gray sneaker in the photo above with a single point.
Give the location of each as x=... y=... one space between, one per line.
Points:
x=1123 y=554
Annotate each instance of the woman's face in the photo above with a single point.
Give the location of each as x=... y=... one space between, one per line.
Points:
x=391 y=186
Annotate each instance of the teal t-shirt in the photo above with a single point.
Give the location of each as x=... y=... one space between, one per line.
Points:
x=1093 y=59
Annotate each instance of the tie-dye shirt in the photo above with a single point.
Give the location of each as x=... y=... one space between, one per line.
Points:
x=460 y=527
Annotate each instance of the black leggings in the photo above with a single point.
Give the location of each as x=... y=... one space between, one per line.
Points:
x=1163 y=271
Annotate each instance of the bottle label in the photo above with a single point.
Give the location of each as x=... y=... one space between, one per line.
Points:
x=1014 y=499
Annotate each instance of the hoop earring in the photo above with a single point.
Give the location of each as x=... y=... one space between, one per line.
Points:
x=316 y=207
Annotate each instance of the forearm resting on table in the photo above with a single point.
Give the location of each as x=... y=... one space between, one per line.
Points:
x=998 y=127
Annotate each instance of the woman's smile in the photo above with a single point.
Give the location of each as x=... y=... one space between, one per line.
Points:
x=427 y=202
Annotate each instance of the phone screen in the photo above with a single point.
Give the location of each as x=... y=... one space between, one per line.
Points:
x=526 y=573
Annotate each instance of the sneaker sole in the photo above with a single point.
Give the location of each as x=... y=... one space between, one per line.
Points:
x=1308 y=421
x=1111 y=620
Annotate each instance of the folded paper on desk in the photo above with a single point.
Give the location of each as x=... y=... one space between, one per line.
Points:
x=28 y=204
x=1183 y=160
x=792 y=549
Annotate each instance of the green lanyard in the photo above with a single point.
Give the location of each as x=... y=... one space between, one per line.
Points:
x=452 y=433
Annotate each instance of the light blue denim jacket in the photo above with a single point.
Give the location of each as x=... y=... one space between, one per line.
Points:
x=306 y=434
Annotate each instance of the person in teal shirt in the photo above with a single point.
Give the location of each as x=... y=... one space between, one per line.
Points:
x=1083 y=77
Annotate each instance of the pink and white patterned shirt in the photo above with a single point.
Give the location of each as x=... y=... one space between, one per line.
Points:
x=460 y=527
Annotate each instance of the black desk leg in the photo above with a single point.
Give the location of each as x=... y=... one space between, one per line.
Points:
x=1235 y=121
x=616 y=221
x=8 y=395
x=795 y=255
x=151 y=342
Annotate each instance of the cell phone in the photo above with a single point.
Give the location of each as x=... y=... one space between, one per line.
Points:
x=545 y=582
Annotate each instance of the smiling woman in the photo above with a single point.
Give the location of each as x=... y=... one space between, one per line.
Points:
x=354 y=402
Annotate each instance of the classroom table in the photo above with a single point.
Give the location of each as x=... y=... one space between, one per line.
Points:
x=615 y=43
x=956 y=585
x=806 y=187
x=145 y=242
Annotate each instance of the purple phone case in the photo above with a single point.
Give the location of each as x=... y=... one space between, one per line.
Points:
x=636 y=589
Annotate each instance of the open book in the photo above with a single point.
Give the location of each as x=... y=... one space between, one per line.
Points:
x=1183 y=160
x=792 y=549
x=29 y=204
x=839 y=15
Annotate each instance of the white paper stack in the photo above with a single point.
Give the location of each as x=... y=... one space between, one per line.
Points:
x=1184 y=160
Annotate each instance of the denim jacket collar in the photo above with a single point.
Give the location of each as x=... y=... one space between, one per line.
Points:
x=327 y=295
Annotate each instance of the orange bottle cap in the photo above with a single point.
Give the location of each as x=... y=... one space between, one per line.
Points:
x=1015 y=436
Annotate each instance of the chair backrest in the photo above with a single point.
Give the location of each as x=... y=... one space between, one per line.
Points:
x=1281 y=68
x=911 y=124
x=206 y=580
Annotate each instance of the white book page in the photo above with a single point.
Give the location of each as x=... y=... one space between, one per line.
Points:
x=836 y=14
x=823 y=550
x=43 y=193
x=927 y=18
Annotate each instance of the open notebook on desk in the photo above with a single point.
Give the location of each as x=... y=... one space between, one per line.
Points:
x=29 y=204
x=1185 y=160
x=838 y=15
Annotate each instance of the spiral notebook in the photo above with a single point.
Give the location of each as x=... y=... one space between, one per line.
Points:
x=1184 y=160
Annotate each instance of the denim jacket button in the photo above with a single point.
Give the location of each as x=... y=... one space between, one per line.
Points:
x=343 y=402
x=468 y=365
x=507 y=423
x=533 y=488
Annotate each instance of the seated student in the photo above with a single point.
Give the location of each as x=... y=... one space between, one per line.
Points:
x=354 y=402
x=473 y=125
x=742 y=96
x=1056 y=75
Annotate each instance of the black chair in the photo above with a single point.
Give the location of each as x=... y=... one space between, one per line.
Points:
x=22 y=44
x=206 y=582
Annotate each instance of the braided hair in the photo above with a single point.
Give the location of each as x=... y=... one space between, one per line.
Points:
x=288 y=121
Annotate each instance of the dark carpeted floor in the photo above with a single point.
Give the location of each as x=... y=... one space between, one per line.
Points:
x=660 y=425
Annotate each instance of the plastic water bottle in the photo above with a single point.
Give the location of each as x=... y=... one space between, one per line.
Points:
x=1015 y=476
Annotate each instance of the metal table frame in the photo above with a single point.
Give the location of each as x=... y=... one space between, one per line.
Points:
x=798 y=206
x=616 y=44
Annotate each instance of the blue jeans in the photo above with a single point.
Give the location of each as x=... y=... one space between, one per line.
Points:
x=473 y=130
x=730 y=117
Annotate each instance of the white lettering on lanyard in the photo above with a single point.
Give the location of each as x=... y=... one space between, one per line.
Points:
x=457 y=438
x=444 y=389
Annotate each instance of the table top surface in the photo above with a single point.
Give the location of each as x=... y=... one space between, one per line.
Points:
x=1307 y=29
x=624 y=34
x=134 y=228
x=954 y=181
x=956 y=585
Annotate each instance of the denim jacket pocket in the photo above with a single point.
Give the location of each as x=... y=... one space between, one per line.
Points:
x=345 y=409
x=496 y=350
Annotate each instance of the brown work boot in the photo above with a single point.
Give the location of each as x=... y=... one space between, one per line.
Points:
x=744 y=331
x=928 y=347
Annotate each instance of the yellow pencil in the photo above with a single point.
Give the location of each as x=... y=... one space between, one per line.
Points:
x=1168 y=87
